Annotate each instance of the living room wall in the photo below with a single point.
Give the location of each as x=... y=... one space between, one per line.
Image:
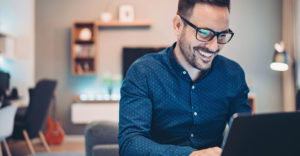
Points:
x=257 y=26
x=17 y=21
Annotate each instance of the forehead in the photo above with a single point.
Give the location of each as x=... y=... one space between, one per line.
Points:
x=210 y=16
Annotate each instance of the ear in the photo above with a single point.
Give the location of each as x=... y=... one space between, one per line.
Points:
x=177 y=25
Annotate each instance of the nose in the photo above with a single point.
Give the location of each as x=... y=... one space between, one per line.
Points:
x=213 y=45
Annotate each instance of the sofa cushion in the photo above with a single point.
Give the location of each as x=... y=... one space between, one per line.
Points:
x=107 y=150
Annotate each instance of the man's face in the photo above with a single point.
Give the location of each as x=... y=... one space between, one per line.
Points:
x=197 y=53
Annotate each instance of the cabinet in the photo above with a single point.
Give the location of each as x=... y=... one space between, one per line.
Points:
x=84 y=48
x=86 y=112
x=85 y=43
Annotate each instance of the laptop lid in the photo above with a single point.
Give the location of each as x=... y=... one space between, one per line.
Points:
x=276 y=134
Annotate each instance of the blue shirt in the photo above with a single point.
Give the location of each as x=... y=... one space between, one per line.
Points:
x=164 y=113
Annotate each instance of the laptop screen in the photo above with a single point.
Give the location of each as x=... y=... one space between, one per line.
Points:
x=276 y=134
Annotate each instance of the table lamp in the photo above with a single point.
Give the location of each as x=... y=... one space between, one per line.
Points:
x=280 y=58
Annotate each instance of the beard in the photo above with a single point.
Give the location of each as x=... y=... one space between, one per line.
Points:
x=192 y=54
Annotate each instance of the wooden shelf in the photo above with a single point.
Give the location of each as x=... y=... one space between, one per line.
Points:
x=85 y=73
x=85 y=52
x=116 y=23
x=84 y=42
x=84 y=58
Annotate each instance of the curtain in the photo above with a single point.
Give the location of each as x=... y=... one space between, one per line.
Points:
x=289 y=35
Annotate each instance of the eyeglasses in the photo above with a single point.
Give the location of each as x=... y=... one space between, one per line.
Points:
x=205 y=34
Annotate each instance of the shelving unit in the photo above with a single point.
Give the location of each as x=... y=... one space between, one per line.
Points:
x=85 y=51
x=84 y=48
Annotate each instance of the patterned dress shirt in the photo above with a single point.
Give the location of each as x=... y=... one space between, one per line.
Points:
x=164 y=113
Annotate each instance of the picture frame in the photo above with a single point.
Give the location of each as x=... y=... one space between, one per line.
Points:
x=126 y=13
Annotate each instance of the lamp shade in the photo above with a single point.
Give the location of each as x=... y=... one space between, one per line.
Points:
x=280 y=61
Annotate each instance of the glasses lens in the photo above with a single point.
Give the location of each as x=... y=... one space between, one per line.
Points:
x=204 y=34
x=224 y=38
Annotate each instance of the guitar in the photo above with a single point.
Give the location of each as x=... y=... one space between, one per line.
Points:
x=54 y=133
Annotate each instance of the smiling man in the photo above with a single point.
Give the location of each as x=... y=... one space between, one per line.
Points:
x=177 y=102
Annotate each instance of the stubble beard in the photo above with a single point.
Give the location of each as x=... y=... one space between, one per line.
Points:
x=190 y=56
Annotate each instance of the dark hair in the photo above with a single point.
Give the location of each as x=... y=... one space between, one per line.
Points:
x=185 y=7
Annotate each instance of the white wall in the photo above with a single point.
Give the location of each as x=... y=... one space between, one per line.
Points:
x=257 y=27
x=17 y=19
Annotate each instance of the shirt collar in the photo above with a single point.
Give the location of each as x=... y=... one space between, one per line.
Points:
x=179 y=69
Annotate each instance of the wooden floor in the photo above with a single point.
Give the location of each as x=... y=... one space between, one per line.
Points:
x=19 y=148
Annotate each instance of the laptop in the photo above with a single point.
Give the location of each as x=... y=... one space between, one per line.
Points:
x=275 y=134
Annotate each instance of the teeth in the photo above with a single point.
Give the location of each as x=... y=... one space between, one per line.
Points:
x=206 y=54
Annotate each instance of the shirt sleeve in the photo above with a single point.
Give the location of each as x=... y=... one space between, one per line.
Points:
x=136 y=117
x=240 y=102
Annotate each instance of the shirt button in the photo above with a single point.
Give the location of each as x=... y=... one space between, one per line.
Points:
x=195 y=113
x=193 y=87
x=192 y=135
x=184 y=72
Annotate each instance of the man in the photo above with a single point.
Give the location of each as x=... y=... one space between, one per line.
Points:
x=177 y=102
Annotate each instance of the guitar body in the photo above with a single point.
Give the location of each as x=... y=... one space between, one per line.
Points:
x=54 y=134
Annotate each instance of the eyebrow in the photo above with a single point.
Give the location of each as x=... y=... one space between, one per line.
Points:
x=195 y=27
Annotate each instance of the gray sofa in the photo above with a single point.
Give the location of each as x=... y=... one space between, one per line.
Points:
x=101 y=139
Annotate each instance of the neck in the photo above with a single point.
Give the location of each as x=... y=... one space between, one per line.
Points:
x=193 y=72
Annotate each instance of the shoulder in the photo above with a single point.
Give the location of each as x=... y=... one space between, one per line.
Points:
x=227 y=65
x=149 y=62
x=142 y=69
x=232 y=73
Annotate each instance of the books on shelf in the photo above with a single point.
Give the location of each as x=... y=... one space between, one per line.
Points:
x=85 y=50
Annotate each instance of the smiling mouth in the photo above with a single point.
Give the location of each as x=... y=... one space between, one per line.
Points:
x=206 y=57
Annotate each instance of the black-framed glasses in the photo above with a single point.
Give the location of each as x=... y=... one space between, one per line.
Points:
x=206 y=34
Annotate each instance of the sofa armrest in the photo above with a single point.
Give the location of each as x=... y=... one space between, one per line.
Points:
x=107 y=150
x=100 y=133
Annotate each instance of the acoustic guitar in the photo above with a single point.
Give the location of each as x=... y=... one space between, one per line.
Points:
x=54 y=133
